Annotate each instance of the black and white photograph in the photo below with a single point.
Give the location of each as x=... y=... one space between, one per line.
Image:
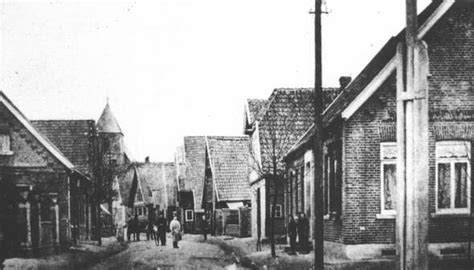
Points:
x=236 y=134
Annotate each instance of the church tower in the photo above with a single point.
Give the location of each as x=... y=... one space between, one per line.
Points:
x=111 y=138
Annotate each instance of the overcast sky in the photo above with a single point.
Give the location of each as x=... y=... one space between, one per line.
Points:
x=177 y=67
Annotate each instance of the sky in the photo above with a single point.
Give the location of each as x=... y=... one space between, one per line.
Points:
x=174 y=68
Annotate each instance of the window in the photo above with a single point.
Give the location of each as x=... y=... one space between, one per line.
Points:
x=302 y=188
x=278 y=211
x=453 y=177
x=139 y=211
x=5 y=144
x=189 y=215
x=307 y=189
x=388 y=169
x=333 y=181
x=296 y=204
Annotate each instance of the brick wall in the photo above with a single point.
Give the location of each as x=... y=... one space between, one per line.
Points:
x=450 y=45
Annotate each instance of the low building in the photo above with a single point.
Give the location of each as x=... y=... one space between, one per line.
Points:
x=226 y=186
x=274 y=125
x=38 y=184
x=360 y=149
x=190 y=195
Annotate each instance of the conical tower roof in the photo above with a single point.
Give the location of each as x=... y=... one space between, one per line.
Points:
x=107 y=122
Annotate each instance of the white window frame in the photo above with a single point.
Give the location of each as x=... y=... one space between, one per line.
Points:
x=278 y=210
x=186 y=215
x=452 y=161
x=5 y=144
x=384 y=161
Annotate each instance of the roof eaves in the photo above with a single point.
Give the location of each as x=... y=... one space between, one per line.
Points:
x=44 y=141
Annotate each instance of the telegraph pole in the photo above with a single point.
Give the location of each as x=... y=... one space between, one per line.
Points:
x=318 y=230
x=412 y=141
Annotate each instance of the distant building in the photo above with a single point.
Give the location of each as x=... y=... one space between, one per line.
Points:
x=147 y=190
x=360 y=148
x=226 y=184
x=191 y=161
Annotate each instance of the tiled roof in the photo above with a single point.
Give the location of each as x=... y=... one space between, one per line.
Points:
x=288 y=115
x=180 y=167
x=195 y=155
x=107 y=122
x=229 y=160
x=72 y=138
x=170 y=180
x=150 y=176
x=125 y=175
x=256 y=108
x=376 y=64
x=371 y=70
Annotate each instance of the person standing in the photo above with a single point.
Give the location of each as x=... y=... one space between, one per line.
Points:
x=129 y=227
x=292 y=235
x=150 y=234
x=136 y=227
x=204 y=227
x=175 y=228
x=303 y=233
x=161 y=225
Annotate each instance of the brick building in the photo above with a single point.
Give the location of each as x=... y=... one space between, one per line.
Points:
x=360 y=144
x=226 y=184
x=45 y=182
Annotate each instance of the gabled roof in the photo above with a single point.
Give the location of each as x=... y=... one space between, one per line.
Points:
x=50 y=147
x=169 y=181
x=255 y=108
x=195 y=155
x=288 y=115
x=229 y=161
x=378 y=69
x=107 y=122
x=180 y=166
x=381 y=62
x=127 y=183
x=73 y=138
x=150 y=175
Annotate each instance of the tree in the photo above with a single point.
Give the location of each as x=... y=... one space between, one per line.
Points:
x=104 y=170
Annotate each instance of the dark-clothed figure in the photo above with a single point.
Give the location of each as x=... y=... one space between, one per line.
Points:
x=136 y=226
x=161 y=225
x=292 y=234
x=130 y=229
x=150 y=234
x=175 y=228
x=204 y=227
x=303 y=233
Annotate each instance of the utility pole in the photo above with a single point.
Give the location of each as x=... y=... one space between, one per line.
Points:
x=318 y=230
x=412 y=141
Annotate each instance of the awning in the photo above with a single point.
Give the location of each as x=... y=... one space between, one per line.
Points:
x=235 y=205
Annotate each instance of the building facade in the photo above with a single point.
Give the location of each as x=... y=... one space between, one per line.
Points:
x=360 y=148
x=37 y=186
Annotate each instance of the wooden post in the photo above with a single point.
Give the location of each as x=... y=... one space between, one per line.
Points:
x=318 y=231
x=412 y=138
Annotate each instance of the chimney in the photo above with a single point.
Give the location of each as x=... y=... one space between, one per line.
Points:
x=147 y=160
x=344 y=82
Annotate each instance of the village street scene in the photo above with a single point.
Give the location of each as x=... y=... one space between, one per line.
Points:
x=212 y=134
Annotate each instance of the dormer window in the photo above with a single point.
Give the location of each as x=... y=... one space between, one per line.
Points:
x=5 y=145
